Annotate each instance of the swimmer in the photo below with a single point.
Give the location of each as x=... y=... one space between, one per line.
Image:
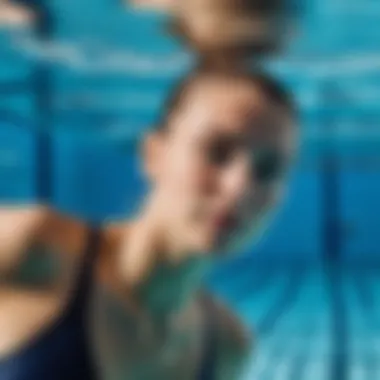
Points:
x=128 y=296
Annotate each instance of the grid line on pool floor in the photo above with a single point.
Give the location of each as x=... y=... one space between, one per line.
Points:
x=292 y=314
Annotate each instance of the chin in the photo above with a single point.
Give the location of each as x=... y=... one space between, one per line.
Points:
x=214 y=245
x=205 y=247
x=220 y=248
x=225 y=250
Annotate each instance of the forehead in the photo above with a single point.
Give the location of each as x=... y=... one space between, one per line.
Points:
x=230 y=6
x=232 y=107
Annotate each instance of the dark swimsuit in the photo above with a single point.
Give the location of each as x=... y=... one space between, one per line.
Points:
x=208 y=363
x=62 y=351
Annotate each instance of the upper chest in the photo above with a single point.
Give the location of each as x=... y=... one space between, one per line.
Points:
x=138 y=345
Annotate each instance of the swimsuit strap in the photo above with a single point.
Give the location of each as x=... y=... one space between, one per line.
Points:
x=208 y=363
x=86 y=271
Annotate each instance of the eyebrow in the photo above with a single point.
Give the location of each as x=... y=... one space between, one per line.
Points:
x=237 y=138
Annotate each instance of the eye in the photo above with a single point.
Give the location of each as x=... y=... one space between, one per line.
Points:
x=268 y=165
x=220 y=152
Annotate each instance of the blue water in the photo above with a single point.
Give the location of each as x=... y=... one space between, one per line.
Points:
x=110 y=72
x=303 y=329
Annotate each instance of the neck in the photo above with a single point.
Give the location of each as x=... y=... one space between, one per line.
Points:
x=163 y=277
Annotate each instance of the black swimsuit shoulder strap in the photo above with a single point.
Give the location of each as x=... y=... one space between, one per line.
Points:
x=208 y=365
x=86 y=270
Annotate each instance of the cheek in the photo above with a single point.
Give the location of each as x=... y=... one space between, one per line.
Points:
x=185 y=176
x=268 y=197
x=255 y=215
x=260 y=201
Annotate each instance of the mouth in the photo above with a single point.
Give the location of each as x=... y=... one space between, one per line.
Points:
x=225 y=222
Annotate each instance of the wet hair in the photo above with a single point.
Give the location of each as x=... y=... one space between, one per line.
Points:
x=234 y=51
x=280 y=12
x=272 y=89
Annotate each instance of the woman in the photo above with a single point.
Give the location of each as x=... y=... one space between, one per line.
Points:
x=215 y=165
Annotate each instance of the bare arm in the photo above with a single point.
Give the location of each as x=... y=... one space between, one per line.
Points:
x=19 y=230
x=23 y=227
x=36 y=270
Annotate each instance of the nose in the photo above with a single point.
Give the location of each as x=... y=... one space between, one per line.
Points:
x=237 y=181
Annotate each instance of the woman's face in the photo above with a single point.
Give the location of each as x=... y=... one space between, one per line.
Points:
x=219 y=167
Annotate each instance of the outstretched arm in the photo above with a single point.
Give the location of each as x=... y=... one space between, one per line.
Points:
x=19 y=229
x=23 y=227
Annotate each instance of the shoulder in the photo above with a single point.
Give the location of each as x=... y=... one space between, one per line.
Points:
x=63 y=232
x=19 y=227
x=29 y=224
x=20 y=223
x=232 y=332
x=21 y=217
